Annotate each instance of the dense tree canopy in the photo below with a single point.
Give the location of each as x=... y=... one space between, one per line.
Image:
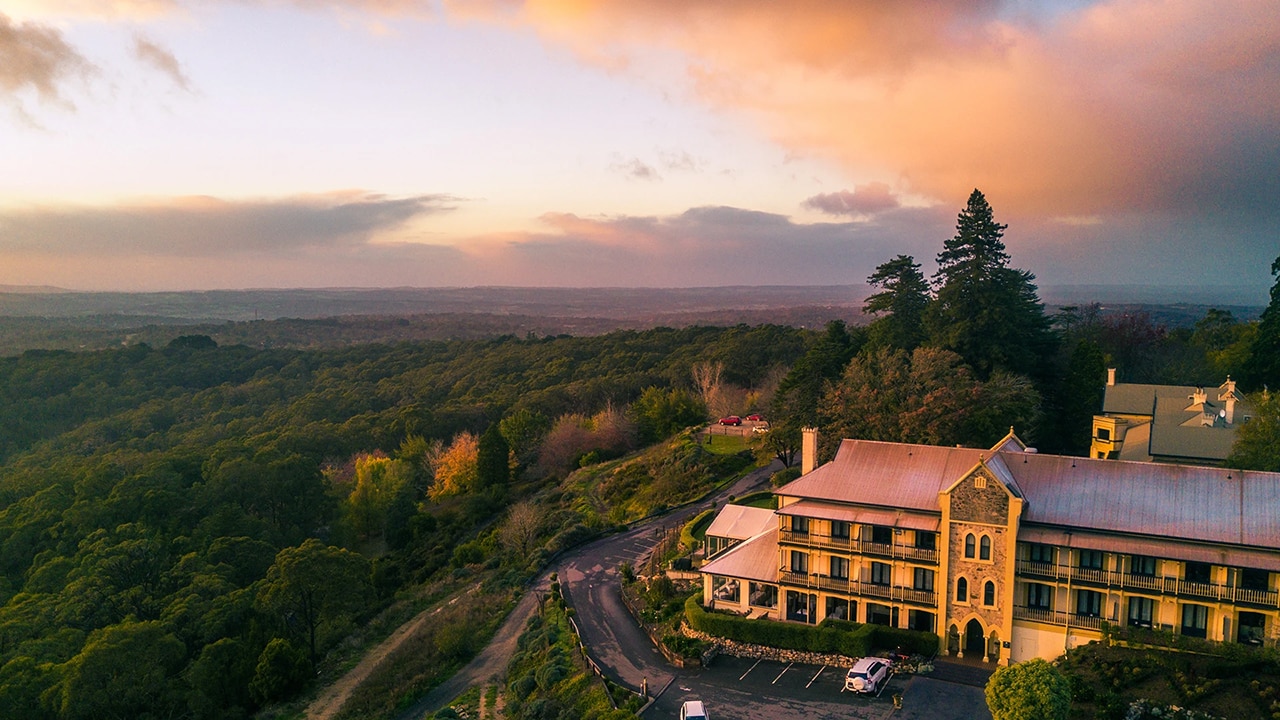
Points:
x=1263 y=366
x=161 y=510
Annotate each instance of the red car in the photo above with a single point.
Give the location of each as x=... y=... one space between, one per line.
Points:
x=754 y=418
x=731 y=420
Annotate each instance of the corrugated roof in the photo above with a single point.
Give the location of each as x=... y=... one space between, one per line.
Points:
x=866 y=516
x=739 y=522
x=893 y=475
x=1193 y=503
x=1135 y=399
x=754 y=559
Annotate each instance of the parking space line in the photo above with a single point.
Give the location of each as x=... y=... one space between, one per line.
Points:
x=784 y=672
x=815 y=677
x=748 y=672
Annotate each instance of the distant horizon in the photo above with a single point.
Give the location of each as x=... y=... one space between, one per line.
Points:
x=1055 y=294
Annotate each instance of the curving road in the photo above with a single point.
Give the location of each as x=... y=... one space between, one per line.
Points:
x=591 y=584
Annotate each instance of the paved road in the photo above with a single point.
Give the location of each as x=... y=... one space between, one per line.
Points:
x=590 y=581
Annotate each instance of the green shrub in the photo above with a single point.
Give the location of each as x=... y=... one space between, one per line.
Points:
x=832 y=636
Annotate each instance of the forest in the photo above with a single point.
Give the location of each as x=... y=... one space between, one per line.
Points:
x=198 y=529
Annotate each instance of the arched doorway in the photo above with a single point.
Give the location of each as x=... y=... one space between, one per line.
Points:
x=975 y=640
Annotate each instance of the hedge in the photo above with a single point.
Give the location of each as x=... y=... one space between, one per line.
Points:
x=831 y=636
x=700 y=522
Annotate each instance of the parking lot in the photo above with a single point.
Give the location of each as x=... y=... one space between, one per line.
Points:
x=746 y=689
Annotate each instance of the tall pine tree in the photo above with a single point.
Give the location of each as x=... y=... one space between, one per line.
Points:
x=984 y=310
x=903 y=297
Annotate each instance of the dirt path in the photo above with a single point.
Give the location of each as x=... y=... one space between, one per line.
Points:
x=335 y=696
x=490 y=664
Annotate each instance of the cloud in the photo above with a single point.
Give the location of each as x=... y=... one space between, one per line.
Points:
x=36 y=58
x=1107 y=107
x=210 y=227
x=158 y=58
x=635 y=169
x=863 y=200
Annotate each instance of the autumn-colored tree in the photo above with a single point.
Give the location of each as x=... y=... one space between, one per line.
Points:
x=519 y=532
x=378 y=481
x=455 y=467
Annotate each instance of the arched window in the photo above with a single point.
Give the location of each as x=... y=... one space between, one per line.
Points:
x=984 y=548
x=962 y=590
x=989 y=593
x=968 y=545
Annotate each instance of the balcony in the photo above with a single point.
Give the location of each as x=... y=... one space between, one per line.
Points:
x=1149 y=584
x=1050 y=617
x=864 y=589
x=858 y=546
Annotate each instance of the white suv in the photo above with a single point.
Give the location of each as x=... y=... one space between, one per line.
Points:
x=693 y=710
x=867 y=675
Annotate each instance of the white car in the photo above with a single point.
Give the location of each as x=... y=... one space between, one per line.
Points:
x=867 y=675
x=693 y=710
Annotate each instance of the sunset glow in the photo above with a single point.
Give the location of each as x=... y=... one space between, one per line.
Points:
x=175 y=144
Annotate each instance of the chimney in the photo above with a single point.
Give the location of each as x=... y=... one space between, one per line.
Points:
x=1229 y=396
x=808 y=450
x=1111 y=377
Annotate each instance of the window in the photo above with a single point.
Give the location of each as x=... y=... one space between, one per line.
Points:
x=962 y=590
x=984 y=548
x=920 y=621
x=799 y=562
x=840 y=568
x=840 y=529
x=989 y=593
x=1104 y=433
x=879 y=614
x=980 y=481
x=1198 y=572
x=969 y=541
x=1251 y=579
x=762 y=595
x=923 y=579
x=1040 y=553
x=1142 y=565
x=1141 y=611
x=926 y=540
x=837 y=608
x=1089 y=603
x=881 y=573
x=1039 y=596
x=881 y=535
x=800 y=525
x=1195 y=620
x=1091 y=559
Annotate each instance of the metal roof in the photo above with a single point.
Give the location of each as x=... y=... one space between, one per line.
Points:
x=893 y=475
x=739 y=522
x=1201 y=504
x=754 y=559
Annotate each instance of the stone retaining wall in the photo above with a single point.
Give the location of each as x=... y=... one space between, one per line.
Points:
x=741 y=649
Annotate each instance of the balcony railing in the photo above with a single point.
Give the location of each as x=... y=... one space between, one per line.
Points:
x=1050 y=617
x=864 y=589
x=857 y=545
x=1148 y=583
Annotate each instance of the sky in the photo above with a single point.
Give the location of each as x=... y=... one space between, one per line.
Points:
x=201 y=144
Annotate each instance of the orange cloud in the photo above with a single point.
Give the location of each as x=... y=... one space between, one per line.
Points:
x=1121 y=105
